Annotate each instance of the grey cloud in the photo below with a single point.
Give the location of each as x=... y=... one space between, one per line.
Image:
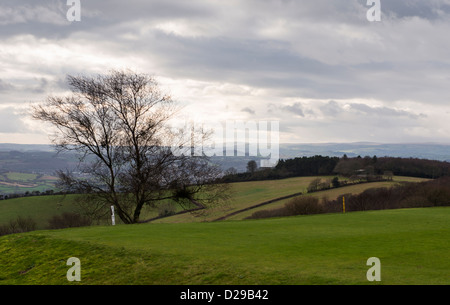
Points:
x=255 y=61
x=296 y=108
x=332 y=108
x=426 y=9
x=41 y=85
x=261 y=63
x=384 y=111
x=10 y=121
x=248 y=110
x=310 y=55
x=47 y=18
x=5 y=86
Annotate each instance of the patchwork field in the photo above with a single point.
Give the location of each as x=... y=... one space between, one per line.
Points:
x=243 y=195
x=13 y=182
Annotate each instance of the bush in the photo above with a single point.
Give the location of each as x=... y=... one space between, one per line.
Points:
x=303 y=206
x=4 y=230
x=267 y=214
x=335 y=182
x=19 y=225
x=68 y=220
x=166 y=209
x=297 y=206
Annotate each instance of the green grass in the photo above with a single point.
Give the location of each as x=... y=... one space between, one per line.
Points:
x=330 y=194
x=412 y=244
x=20 y=176
x=14 y=182
x=247 y=194
x=243 y=194
x=39 y=208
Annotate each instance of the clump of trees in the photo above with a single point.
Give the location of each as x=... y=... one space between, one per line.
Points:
x=389 y=166
x=252 y=166
x=29 y=194
x=355 y=169
x=297 y=167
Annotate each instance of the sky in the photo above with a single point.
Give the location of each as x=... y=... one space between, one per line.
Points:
x=319 y=67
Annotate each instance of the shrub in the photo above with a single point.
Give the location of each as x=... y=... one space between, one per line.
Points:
x=68 y=220
x=25 y=224
x=19 y=225
x=335 y=182
x=4 y=230
x=297 y=206
x=267 y=214
x=303 y=206
x=314 y=185
x=166 y=209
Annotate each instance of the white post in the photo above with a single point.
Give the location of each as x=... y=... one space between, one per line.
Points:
x=113 y=218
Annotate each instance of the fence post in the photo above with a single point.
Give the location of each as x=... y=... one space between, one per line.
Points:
x=113 y=217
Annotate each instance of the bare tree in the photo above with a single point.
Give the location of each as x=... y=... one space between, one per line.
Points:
x=119 y=123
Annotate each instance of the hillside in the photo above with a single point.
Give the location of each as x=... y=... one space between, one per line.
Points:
x=412 y=245
x=248 y=194
x=243 y=196
x=42 y=158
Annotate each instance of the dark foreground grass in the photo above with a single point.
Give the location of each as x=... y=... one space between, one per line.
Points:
x=413 y=246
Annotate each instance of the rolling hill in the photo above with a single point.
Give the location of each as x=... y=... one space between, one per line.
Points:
x=412 y=245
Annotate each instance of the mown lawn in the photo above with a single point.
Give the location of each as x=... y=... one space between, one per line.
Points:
x=413 y=246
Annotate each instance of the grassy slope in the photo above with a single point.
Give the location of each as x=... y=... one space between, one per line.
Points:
x=40 y=208
x=244 y=194
x=13 y=182
x=330 y=194
x=412 y=244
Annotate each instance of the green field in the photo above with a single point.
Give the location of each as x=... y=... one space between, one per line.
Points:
x=39 y=208
x=20 y=183
x=247 y=194
x=243 y=195
x=413 y=246
x=330 y=194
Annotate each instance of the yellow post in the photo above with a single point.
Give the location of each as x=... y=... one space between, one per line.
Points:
x=343 y=204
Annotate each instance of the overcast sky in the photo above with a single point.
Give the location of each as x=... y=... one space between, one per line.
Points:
x=319 y=67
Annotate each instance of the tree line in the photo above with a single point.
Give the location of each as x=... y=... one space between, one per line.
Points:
x=30 y=193
x=355 y=168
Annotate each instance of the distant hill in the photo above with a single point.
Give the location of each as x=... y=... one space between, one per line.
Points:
x=25 y=147
x=37 y=159
x=34 y=158
x=431 y=151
